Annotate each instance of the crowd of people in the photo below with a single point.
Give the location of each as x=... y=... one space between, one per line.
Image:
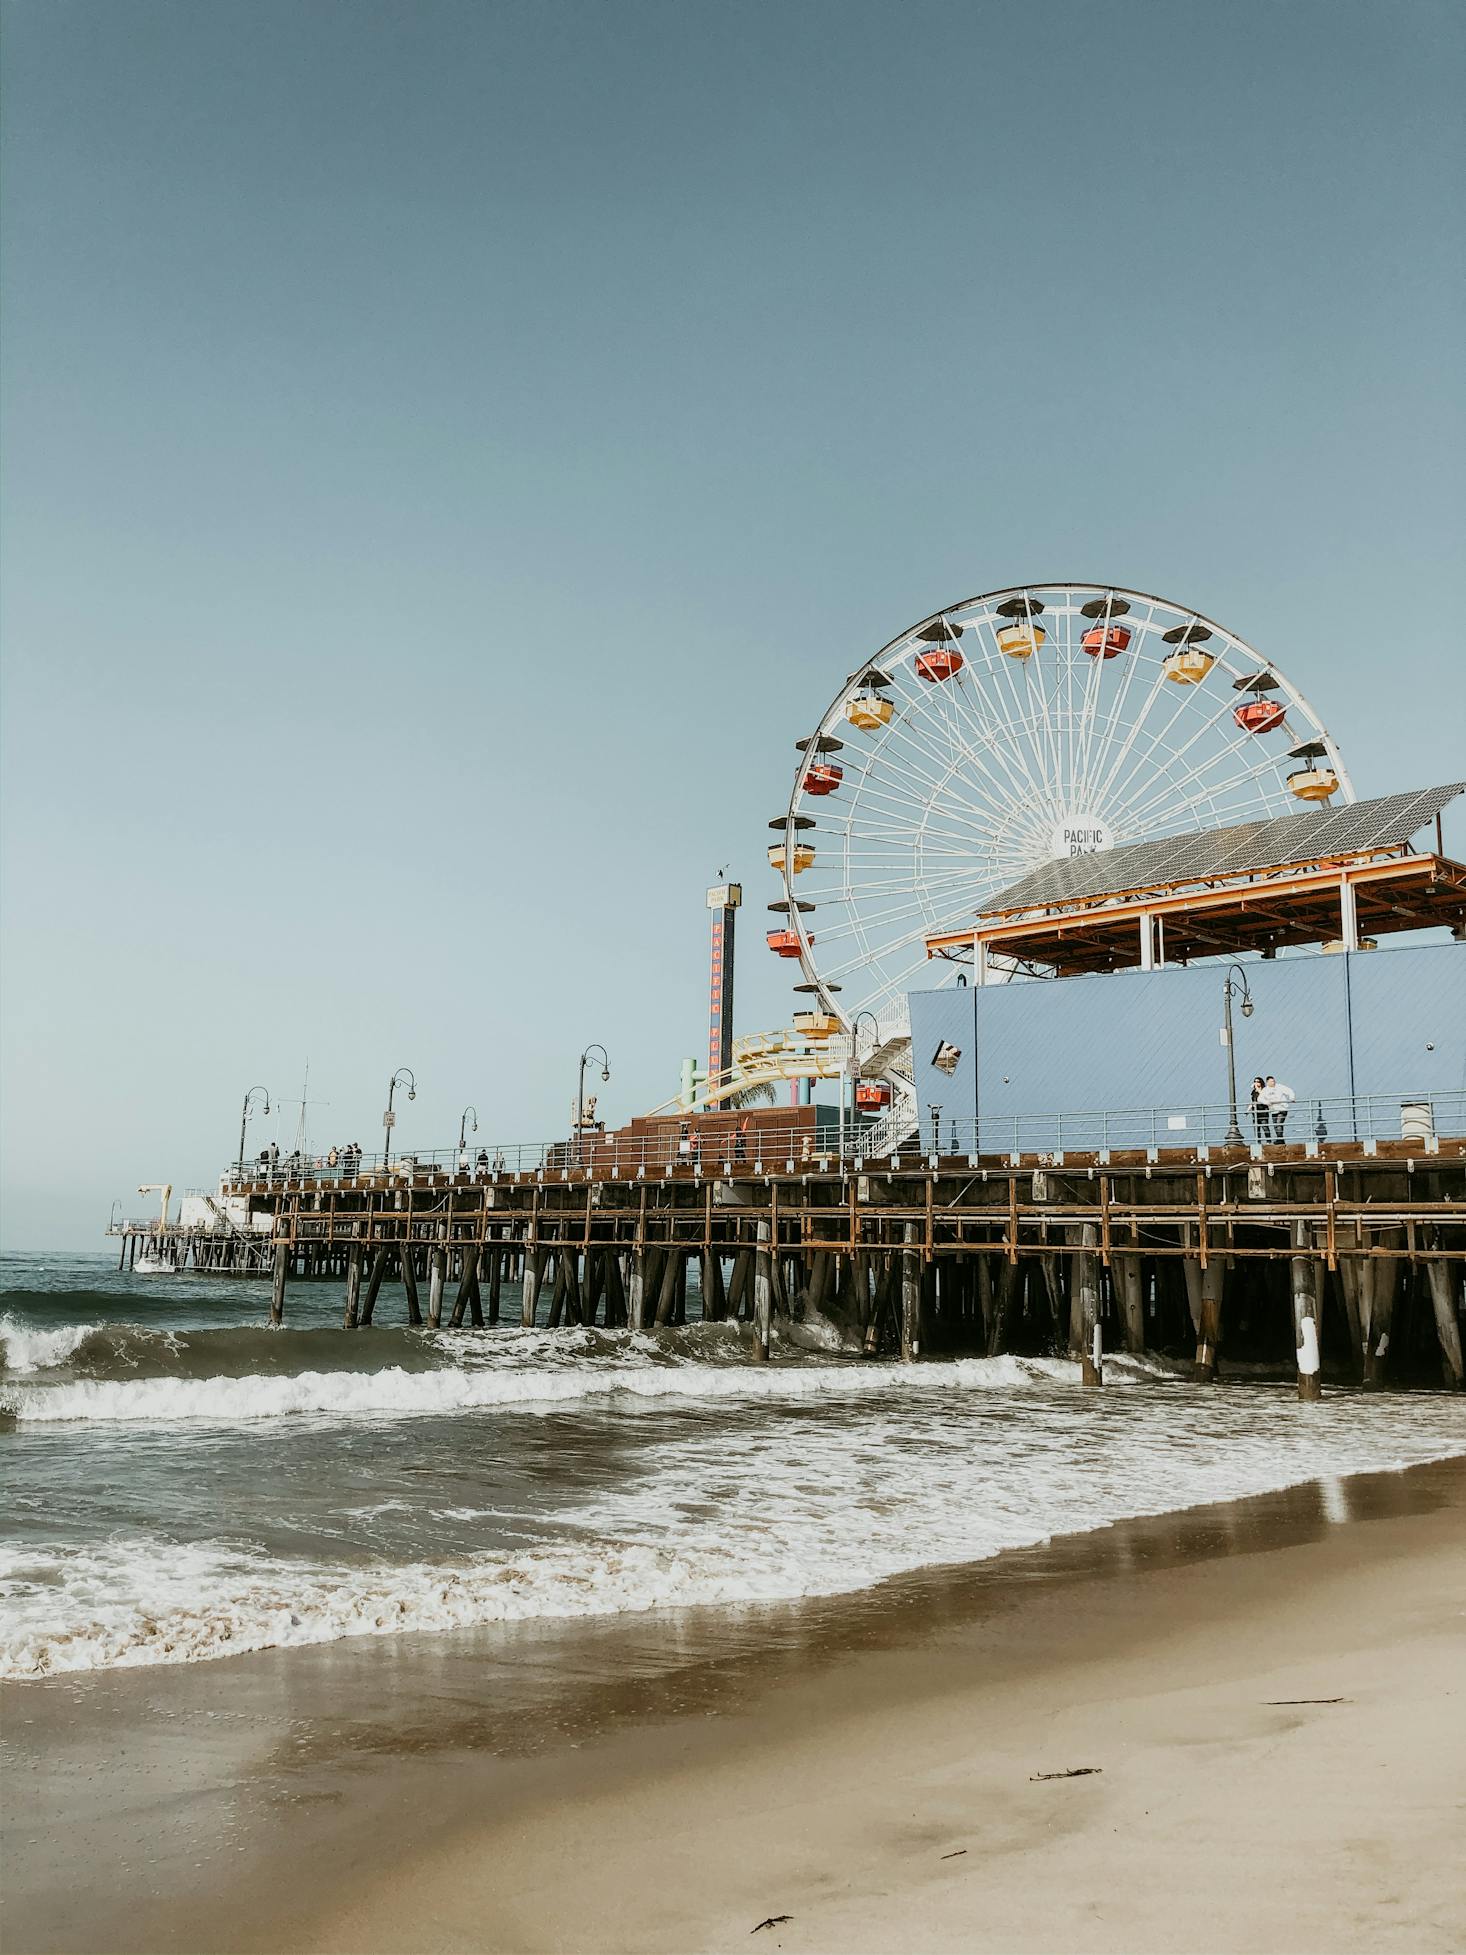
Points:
x=344 y=1161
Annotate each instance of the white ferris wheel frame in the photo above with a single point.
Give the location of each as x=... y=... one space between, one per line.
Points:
x=995 y=760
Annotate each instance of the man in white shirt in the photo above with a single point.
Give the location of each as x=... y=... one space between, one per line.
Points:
x=1277 y=1098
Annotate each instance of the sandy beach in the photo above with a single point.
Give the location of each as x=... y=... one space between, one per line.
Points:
x=1266 y=1698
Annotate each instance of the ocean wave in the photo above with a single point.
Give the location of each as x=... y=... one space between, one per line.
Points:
x=137 y=1599
x=396 y=1392
x=207 y=1600
x=23 y=1348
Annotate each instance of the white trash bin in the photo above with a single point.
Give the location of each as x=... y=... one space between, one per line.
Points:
x=1417 y=1120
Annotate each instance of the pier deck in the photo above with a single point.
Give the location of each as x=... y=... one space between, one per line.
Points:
x=1216 y=1247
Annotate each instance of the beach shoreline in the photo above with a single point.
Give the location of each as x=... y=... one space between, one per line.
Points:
x=865 y=1763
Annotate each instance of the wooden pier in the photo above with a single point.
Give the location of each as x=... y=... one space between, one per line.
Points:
x=1269 y=1256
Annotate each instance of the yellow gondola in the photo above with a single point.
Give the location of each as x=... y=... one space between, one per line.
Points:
x=1188 y=665
x=1313 y=783
x=803 y=856
x=868 y=710
x=816 y=1025
x=1021 y=640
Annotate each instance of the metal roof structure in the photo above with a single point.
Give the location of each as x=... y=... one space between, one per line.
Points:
x=1214 y=854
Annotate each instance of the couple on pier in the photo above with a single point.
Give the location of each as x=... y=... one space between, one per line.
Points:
x=1271 y=1100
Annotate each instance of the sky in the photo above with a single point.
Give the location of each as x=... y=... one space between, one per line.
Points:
x=451 y=452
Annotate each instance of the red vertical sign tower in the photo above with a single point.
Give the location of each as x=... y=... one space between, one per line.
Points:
x=724 y=900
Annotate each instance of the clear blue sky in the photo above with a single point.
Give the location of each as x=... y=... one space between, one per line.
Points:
x=452 y=451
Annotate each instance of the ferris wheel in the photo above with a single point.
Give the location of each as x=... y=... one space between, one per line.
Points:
x=1041 y=721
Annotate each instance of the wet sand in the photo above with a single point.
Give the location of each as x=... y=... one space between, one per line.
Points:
x=867 y=1765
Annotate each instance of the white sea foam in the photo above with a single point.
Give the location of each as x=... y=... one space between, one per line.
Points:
x=721 y=1510
x=394 y=1392
x=23 y=1348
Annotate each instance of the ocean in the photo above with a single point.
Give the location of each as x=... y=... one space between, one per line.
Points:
x=184 y=1483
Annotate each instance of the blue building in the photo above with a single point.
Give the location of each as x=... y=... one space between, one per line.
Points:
x=1136 y=1057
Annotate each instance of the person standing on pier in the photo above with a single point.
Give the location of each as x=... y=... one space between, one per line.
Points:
x=1277 y=1098
x=1259 y=1108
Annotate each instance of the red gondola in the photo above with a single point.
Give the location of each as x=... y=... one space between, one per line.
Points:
x=822 y=777
x=1106 y=641
x=1259 y=715
x=937 y=663
x=871 y=1095
x=784 y=943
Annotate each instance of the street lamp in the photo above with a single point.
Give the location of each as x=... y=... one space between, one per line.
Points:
x=854 y=1055
x=1233 y=1135
x=389 y=1118
x=244 y=1120
x=462 y=1119
x=580 y=1091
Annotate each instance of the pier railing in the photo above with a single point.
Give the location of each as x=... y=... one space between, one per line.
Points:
x=1309 y=1124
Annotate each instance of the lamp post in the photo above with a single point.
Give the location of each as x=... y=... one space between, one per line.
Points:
x=389 y=1118
x=1233 y=1135
x=853 y=1055
x=580 y=1092
x=936 y=1116
x=462 y=1127
x=244 y=1120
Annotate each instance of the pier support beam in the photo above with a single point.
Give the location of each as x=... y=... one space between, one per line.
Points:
x=636 y=1294
x=910 y=1296
x=1208 y=1285
x=534 y=1275
x=1086 y=1282
x=353 y=1286
x=763 y=1295
x=1305 y=1316
x=1129 y=1290
x=437 y=1282
x=374 y=1283
x=1378 y=1277
x=1445 y=1290
x=467 y=1288
x=667 y=1295
x=277 y=1283
x=409 y=1284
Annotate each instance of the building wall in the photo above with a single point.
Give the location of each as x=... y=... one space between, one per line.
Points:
x=1386 y=1022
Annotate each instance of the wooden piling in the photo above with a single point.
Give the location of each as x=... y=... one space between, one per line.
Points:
x=353 y=1286
x=466 y=1285
x=1305 y=1317
x=1379 y=1278
x=534 y=1276
x=1445 y=1289
x=763 y=1294
x=409 y=1285
x=277 y=1283
x=374 y=1283
x=1086 y=1281
x=437 y=1282
x=1209 y=1284
x=910 y=1295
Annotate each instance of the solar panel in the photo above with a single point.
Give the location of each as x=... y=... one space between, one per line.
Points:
x=1211 y=853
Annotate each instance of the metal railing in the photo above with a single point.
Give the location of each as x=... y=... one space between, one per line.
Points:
x=1424 y=1118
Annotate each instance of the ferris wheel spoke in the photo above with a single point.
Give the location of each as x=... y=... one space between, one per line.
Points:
x=939 y=736
x=990 y=790
x=1134 y=659
x=1235 y=743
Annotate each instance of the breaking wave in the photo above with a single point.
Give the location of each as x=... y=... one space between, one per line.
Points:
x=434 y=1387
